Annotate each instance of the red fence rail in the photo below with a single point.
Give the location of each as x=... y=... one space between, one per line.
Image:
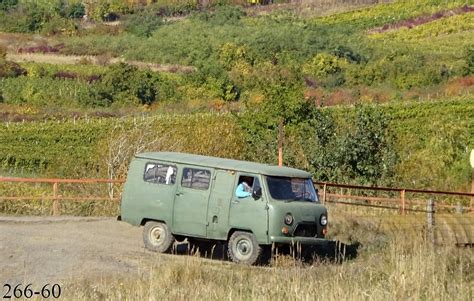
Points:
x=399 y=202
x=56 y=196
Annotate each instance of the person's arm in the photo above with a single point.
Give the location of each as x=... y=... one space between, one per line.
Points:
x=241 y=193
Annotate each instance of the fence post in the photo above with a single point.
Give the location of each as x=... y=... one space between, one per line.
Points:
x=324 y=193
x=430 y=219
x=55 y=199
x=402 y=201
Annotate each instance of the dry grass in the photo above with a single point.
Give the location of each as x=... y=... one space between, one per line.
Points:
x=390 y=265
x=401 y=270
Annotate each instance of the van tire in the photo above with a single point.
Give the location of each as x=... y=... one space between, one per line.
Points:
x=243 y=248
x=157 y=237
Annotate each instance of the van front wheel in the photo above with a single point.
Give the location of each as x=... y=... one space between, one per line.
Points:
x=243 y=248
x=157 y=237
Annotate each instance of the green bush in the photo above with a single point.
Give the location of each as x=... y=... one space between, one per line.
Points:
x=34 y=16
x=123 y=84
x=222 y=15
x=10 y=69
x=469 y=58
x=58 y=25
x=74 y=11
x=106 y=10
x=142 y=24
x=6 y=5
x=175 y=8
x=348 y=54
x=327 y=69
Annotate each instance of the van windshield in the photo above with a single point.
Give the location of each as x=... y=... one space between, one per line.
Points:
x=292 y=189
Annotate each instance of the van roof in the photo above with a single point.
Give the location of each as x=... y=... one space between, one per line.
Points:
x=227 y=164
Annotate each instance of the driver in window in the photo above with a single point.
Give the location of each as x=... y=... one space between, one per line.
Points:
x=243 y=189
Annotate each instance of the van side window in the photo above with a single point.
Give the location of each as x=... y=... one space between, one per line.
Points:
x=160 y=173
x=246 y=185
x=196 y=178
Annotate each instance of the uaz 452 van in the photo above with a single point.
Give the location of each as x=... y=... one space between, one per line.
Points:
x=248 y=205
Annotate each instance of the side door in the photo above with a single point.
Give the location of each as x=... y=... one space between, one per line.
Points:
x=219 y=203
x=247 y=213
x=190 y=204
x=158 y=190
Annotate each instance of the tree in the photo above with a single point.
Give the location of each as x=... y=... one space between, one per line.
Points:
x=282 y=106
x=125 y=83
x=367 y=148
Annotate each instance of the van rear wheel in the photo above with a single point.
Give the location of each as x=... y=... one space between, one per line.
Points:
x=157 y=237
x=243 y=248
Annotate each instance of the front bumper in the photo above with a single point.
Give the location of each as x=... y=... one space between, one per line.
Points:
x=300 y=240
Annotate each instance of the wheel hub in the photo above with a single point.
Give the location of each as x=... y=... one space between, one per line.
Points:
x=156 y=235
x=244 y=247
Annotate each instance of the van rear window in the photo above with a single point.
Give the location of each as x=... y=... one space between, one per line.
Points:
x=160 y=173
x=196 y=178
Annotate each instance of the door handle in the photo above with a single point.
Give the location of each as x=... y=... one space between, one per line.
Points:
x=235 y=201
x=179 y=193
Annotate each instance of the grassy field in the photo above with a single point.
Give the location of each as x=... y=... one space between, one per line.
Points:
x=388 y=264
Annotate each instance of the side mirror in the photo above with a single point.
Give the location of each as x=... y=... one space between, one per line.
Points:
x=257 y=193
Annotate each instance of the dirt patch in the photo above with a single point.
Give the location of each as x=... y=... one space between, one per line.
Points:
x=52 y=250
x=51 y=58
x=310 y=8
x=413 y=22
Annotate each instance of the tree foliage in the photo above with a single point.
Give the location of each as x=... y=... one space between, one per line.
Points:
x=124 y=84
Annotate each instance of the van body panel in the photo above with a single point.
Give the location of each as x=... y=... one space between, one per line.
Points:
x=219 y=205
x=250 y=214
x=190 y=209
x=306 y=216
x=145 y=200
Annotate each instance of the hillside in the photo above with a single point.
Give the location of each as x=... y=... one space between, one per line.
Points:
x=334 y=72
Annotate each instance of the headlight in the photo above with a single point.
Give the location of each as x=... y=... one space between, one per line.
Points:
x=288 y=219
x=323 y=220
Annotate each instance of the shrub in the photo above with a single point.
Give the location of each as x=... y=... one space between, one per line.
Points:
x=124 y=84
x=222 y=15
x=324 y=64
x=231 y=54
x=142 y=24
x=101 y=11
x=10 y=69
x=179 y=8
x=58 y=25
x=469 y=58
x=327 y=69
x=347 y=53
x=75 y=11
x=8 y=4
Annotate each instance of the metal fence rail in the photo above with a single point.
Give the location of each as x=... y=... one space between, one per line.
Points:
x=396 y=198
x=392 y=198
x=56 y=196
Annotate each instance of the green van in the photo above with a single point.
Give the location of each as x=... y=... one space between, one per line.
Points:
x=250 y=206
